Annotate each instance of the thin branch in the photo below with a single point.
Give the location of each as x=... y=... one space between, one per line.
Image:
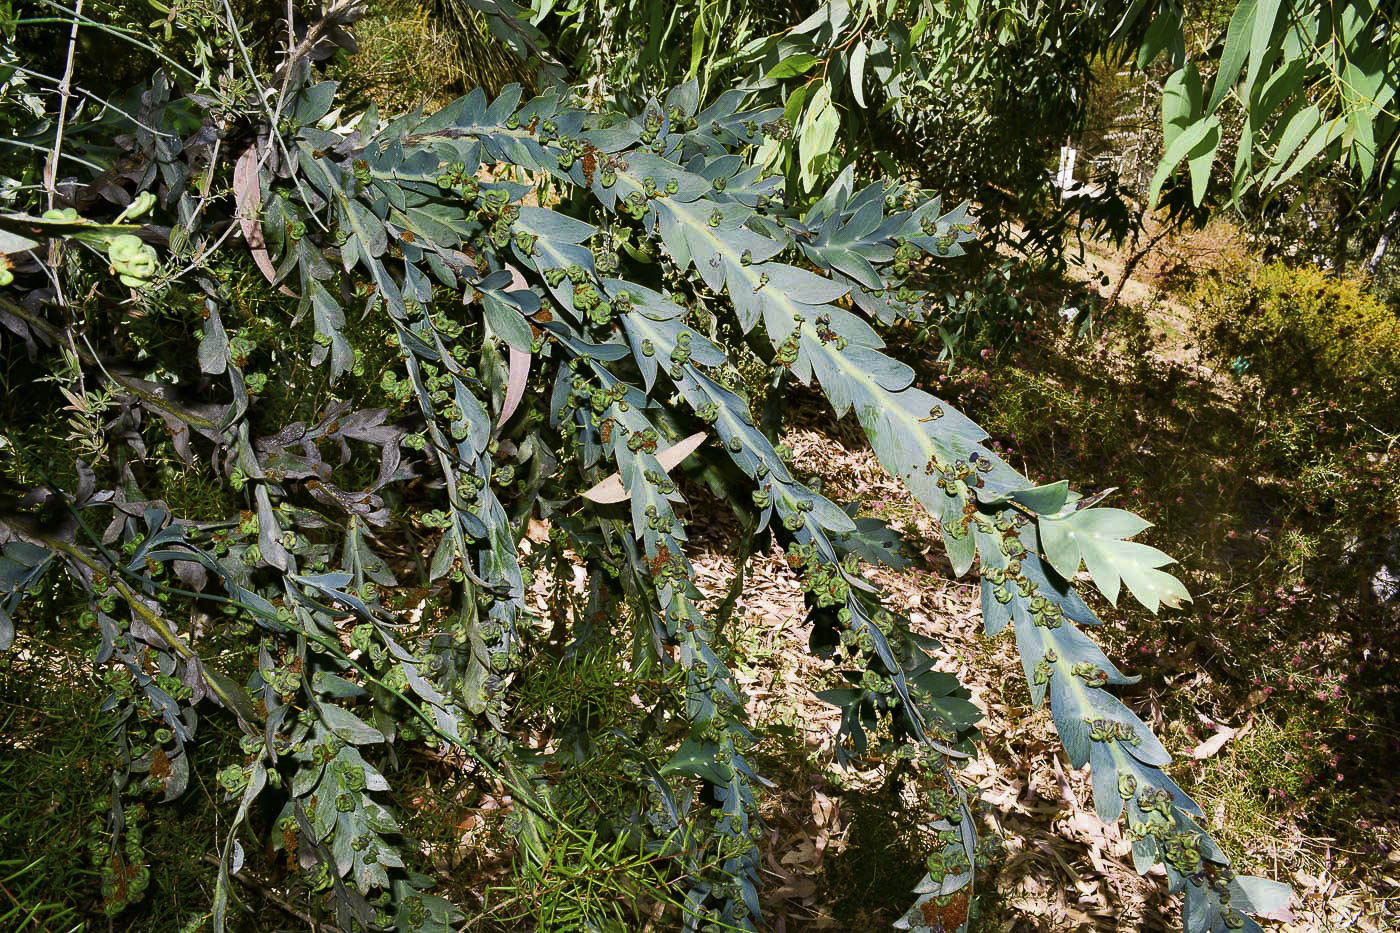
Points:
x=128 y=383
x=1131 y=266
x=272 y=898
x=64 y=93
x=49 y=149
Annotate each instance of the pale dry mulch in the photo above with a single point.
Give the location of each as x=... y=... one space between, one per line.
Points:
x=1062 y=868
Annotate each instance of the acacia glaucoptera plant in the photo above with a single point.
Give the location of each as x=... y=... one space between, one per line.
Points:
x=523 y=309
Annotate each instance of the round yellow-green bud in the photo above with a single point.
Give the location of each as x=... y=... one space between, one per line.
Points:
x=133 y=261
x=142 y=203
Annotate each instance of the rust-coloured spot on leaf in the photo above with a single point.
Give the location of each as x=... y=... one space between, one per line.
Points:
x=289 y=846
x=160 y=765
x=948 y=916
x=590 y=162
x=659 y=562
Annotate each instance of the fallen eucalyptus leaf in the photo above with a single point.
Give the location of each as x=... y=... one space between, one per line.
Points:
x=249 y=200
x=611 y=489
x=519 y=363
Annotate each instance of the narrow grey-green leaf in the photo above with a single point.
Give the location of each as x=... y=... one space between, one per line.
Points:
x=1232 y=58
x=347 y=726
x=858 y=55
x=507 y=323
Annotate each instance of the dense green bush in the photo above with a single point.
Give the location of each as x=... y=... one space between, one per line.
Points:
x=1299 y=331
x=292 y=383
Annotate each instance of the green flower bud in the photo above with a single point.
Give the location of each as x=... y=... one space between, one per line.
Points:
x=142 y=203
x=133 y=261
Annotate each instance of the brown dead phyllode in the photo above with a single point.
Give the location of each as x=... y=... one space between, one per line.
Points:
x=946 y=914
x=661 y=560
x=160 y=765
x=590 y=162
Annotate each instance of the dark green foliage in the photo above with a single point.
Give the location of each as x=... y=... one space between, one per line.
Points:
x=1008 y=84
x=1313 y=81
x=513 y=310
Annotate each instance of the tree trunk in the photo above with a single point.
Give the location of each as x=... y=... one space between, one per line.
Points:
x=1382 y=242
x=1342 y=205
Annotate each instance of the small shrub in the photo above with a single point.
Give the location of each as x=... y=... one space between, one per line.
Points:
x=405 y=59
x=1300 y=331
x=1192 y=255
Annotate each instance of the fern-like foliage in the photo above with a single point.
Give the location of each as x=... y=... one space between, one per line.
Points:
x=531 y=359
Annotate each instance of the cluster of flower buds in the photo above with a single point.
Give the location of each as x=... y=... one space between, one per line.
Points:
x=361 y=171
x=133 y=261
x=680 y=355
x=1003 y=581
x=794 y=520
x=125 y=874
x=680 y=121
x=590 y=301
x=826 y=584
x=643 y=441
x=1090 y=673
x=660 y=523
x=947 y=861
x=959 y=479
x=663 y=483
x=1112 y=730
x=904 y=256
x=1049 y=615
x=651 y=134
x=826 y=335
x=400 y=390
x=635 y=205
x=1182 y=851
x=457 y=178
x=497 y=207
x=788 y=350
x=599 y=399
